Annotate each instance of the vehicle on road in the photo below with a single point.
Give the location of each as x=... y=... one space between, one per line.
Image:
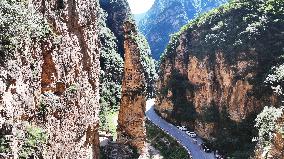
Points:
x=191 y=134
x=192 y=145
x=183 y=128
x=205 y=148
x=220 y=157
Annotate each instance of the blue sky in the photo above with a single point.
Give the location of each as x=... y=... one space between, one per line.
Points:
x=140 y=6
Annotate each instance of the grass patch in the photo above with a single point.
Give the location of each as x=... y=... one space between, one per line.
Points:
x=110 y=123
x=168 y=147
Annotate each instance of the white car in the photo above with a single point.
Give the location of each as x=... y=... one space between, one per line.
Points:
x=191 y=134
x=183 y=128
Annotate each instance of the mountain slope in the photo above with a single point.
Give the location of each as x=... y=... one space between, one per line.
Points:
x=168 y=16
x=212 y=72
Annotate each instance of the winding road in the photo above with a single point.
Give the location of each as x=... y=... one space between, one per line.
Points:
x=186 y=141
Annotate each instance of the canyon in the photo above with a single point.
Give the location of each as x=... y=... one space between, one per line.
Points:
x=52 y=81
x=68 y=69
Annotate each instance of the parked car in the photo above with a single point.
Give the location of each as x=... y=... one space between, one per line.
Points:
x=191 y=134
x=205 y=148
x=183 y=128
x=220 y=157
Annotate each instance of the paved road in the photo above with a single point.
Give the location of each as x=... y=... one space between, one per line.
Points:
x=180 y=136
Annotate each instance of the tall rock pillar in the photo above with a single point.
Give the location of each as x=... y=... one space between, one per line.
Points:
x=131 y=121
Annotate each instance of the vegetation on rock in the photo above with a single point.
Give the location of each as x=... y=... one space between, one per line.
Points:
x=112 y=54
x=34 y=143
x=17 y=22
x=148 y=64
x=267 y=122
x=218 y=32
x=110 y=76
x=41 y=55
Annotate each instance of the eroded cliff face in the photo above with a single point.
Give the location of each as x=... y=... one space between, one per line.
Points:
x=214 y=81
x=54 y=83
x=131 y=121
x=225 y=84
x=212 y=75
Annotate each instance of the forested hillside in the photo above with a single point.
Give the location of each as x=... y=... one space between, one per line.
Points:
x=167 y=16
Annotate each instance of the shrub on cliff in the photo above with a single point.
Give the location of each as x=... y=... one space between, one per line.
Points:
x=18 y=22
x=276 y=79
x=266 y=124
x=34 y=140
x=266 y=121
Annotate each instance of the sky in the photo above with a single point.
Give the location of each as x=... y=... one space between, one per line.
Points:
x=140 y=6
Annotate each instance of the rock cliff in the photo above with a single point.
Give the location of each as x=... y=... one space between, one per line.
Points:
x=167 y=16
x=131 y=121
x=212 y=72
x=51 y=80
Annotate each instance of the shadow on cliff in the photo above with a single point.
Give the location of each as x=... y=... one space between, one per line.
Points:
x=235 y=138
x=183 y=109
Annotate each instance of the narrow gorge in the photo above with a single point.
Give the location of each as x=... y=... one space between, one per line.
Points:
x=62 y=72
x=90 y=79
